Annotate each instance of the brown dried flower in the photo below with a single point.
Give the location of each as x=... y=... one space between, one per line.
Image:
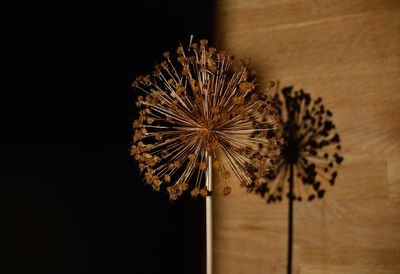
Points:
x=197 y=104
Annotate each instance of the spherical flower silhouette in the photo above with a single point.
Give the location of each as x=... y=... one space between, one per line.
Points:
x=197 y=106
x=311 y=148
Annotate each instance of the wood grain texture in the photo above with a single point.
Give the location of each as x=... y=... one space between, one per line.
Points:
x=347 y=52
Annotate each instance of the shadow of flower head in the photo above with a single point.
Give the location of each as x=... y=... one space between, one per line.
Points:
x=312 y=149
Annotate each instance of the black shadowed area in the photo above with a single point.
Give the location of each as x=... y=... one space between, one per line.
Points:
x=71 y=198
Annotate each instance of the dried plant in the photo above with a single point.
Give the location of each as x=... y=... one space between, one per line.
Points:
x=198 y=104
x=312 y=149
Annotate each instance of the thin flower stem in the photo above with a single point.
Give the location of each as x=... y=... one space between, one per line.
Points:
x=209 y=214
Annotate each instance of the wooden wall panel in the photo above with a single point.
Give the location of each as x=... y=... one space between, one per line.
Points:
x=347 y=52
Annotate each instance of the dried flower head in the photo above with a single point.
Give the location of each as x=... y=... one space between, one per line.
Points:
x=197 y=105
x=311 y=148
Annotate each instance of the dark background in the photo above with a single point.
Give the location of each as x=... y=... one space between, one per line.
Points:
x=71 y=198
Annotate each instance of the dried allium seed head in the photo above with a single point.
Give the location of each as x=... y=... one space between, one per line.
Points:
x=198 y=105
